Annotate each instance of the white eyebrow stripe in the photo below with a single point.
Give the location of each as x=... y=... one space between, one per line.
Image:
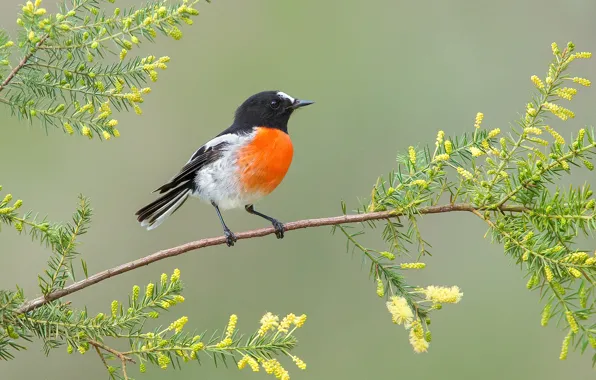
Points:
x=284 y=95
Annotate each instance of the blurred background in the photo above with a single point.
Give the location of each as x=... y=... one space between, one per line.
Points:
x=384 y=75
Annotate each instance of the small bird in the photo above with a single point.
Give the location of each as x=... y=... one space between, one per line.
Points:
x=237 y=167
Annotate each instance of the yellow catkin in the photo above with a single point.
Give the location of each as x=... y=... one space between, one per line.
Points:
x=583 y=81
x=464 y=173
x=493 y=133
x=537 y=82
x=548 y=273
x=478 y=120
x=412 y=155
x=448 y=147
x=572 y=322
x=558 y=138
x=546 y=313
x=412 y=265
x=440 y=137
x=442 y=157
x=560 y=112
x=533 y=131
x=475 y=151
x=566 y=93
x=565 y=347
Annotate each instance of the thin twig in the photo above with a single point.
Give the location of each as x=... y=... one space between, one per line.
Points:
x=103 y=360
x=23 y=62
x=118 y=354
x=208 y=242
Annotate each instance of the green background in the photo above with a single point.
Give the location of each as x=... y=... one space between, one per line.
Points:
x=384 y=75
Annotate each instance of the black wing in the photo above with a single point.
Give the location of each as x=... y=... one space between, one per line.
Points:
x=203 y=156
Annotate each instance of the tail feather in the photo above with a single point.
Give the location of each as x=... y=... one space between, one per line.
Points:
x=154 y=214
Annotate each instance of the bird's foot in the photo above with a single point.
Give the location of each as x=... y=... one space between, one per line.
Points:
x=279 y=228
x=230 y=237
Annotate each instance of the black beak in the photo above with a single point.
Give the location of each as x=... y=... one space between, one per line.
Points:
x=301 y=103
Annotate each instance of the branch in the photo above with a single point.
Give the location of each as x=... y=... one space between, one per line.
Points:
x=208 y=242
x=23 y=62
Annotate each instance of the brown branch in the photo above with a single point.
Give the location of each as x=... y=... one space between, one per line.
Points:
x=23 y=62
x=118 y=354
x=208 y=242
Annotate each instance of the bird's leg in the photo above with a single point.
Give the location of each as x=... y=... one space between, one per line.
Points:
x=230 y=237
x=279 y=227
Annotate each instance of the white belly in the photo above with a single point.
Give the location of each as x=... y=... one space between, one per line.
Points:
x=218 y=182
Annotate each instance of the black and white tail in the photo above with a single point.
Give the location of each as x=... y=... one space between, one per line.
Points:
x=154 y=214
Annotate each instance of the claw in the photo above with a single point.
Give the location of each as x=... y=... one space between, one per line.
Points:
x=279 y=229
x=230 y=238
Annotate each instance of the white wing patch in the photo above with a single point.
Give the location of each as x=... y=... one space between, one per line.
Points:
x=286 y=96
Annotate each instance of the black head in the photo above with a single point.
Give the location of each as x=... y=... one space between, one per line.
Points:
x=268 y=109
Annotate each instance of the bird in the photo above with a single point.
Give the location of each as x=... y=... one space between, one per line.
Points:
x=236 y=168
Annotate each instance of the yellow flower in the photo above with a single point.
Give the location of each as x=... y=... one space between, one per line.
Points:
x=106 y=135
x=114 y=308
x=272 y=366
x=582 y=81
x=440 y=137
x=299 y=362
x=572 y=322
x=224 y=343
x=448 y=147
x=268 y=321
x=558 y=138
x=565 y=347
x=380 y=287
x=533 y=131
x=175 y=276
x=86 y=131
x=412 y=265
x=123 y=53
x=231 y=325
x=419 y=182
x=476 y=152
x=116 y=133
x=400 y=310
x=494 y=133
x=412 y=155
x=478 y=121
x=417 y=338
x=464 y=173
x=300 y=321
x=546 y=313
x=243 y=362
x=68 y=128
x=537 y=82
x=555 y=48
x=440 y=294
x=285 y=323
x=561 y=112
x=163 y=361
x=575 y=273
x=548 y=273
x=178 y=325
x=566 y=92
x=149 y=290
x=442 y=157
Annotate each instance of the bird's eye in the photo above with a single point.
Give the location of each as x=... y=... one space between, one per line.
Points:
x=275 y=104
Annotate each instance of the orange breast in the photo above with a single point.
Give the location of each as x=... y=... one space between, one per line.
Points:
x=264 y=162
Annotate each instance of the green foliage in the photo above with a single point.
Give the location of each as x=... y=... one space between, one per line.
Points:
x=511 y=185
x=57 y=80
x=72 y=69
